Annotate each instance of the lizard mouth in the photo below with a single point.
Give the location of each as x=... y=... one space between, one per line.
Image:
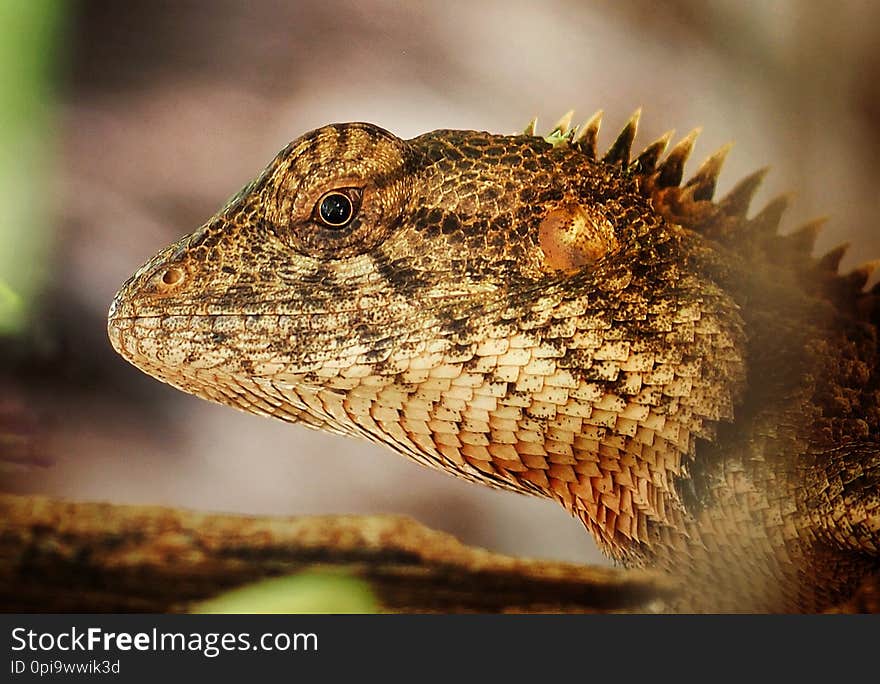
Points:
x=118 y=322
x=127 y=334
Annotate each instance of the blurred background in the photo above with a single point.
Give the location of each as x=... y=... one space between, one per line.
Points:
x=126 y=125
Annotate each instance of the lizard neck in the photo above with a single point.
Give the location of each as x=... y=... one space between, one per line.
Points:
x=597 y=406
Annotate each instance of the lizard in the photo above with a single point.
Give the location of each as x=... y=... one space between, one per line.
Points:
x=528 y=313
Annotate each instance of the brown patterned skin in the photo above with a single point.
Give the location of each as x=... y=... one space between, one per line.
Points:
x=519 y=312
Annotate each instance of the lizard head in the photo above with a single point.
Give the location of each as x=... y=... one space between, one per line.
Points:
x=507 y=308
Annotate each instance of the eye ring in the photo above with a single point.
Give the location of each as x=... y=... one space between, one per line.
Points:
x=336 y=209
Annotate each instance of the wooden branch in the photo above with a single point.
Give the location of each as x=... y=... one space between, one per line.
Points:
x=58 y=556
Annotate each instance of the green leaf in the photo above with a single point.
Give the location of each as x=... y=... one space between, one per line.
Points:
x=11 y=310
x=314 y=591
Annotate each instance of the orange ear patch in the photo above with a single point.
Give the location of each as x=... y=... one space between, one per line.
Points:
x=571 y=237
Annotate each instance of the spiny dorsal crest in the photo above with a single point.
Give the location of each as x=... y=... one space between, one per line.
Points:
x=726 y=220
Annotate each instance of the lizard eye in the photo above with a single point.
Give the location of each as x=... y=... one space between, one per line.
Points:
x=336 y=208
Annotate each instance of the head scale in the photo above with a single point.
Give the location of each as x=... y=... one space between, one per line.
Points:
x=502 y=307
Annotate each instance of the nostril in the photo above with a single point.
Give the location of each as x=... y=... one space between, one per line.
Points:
x=172 y=276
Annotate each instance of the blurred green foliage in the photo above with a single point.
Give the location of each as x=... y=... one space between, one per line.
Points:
x=315 y=591
x=28 y=50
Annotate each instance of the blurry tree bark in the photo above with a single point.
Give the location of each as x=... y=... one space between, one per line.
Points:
x=58 y=556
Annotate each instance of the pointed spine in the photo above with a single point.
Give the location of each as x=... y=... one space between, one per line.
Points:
x=586 y=138
x=767 y=221
x=859 y=277
x=737 y=201
x=803 y=240
x=830 y=262
x=618 y=153
x=704 y=180
x=532 y=128
x=670 y=171
x=561 y=127
x=646 y=162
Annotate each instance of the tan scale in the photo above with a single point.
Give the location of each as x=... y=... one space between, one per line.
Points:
x=523 y=313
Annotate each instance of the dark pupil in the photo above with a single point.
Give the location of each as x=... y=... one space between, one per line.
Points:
x=335 y=209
